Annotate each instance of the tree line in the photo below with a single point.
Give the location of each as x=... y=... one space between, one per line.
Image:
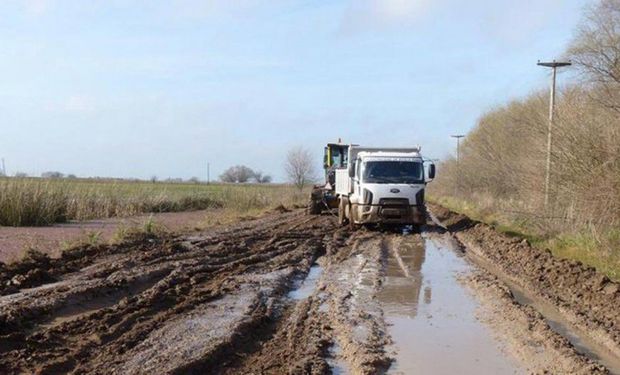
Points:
x=299 y=168
x=242 y=174
x=502 y=164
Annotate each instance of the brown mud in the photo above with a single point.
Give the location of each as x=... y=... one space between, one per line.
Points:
x=286 y=293
x=577 y=302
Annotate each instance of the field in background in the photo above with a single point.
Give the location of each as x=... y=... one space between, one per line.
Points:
x=36 y=201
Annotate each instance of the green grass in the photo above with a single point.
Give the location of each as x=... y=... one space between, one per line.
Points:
x=35 y=201
x=598 y=249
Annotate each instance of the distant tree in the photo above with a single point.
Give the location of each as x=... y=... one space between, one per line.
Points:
x=20 y=174
x=194 y=180
x=237 y=174
x=154 y=179
x=174 y=180
x=71 y=176
x=52 y=174
x=299 y=167
x=261 y=178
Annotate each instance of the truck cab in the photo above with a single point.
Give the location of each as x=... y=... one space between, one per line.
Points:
x=383 y=186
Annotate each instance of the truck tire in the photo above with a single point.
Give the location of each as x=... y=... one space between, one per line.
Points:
x=315 y=206
x=350 y=221
x=342 y=218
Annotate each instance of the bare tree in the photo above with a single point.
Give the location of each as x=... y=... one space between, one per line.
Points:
x=299 y=167
x=595 y=51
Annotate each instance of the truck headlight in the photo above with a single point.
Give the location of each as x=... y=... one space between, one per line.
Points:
x=367 y=197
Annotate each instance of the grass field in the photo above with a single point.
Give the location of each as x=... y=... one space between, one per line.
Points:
x=36 y=201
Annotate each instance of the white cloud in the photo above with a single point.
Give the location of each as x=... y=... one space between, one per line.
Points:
x=362 y=15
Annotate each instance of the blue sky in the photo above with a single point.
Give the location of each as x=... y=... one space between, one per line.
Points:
x=142 y=88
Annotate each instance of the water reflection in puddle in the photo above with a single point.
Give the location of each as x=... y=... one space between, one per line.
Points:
x=308 y=285
x=431 y=316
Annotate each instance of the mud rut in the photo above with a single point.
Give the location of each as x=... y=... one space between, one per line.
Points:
x=218 y=302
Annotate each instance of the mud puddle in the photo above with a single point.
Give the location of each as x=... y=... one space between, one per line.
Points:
x=431 y=316
x=336 y=364
x=308 y=285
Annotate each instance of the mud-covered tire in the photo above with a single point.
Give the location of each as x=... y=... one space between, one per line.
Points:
x=314 y=207
x=342 y=218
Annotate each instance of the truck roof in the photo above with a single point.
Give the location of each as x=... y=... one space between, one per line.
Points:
x=381 y=154
x=354 y=151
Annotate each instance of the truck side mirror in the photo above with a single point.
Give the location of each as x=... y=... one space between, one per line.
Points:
x=431 y=171
x=351 y=169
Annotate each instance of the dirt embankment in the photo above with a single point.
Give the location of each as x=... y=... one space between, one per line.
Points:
x=588 y=299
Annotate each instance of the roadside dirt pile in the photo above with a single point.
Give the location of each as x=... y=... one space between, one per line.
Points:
x=587 y=298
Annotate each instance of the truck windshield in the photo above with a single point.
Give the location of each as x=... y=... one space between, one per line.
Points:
x=393 y=172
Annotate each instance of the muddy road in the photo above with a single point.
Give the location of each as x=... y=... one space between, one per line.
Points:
x=290 y=293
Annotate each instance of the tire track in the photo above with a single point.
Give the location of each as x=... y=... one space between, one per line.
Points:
x=147 y=296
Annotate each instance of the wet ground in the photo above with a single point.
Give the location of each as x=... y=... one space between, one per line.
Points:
x=287 y=293
x=14 y=241
x=431 y=316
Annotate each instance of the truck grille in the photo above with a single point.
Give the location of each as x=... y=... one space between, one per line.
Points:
x=393 y=208
x=394 y=202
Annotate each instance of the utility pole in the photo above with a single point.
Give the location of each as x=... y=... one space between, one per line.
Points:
x=553 y=65
x=458 y=160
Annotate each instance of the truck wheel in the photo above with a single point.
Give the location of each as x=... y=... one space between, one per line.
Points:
x=352 y=225
x=315 y=205
x=342 y=219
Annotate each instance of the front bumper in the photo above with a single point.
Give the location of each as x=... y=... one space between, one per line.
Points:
x=387 y=214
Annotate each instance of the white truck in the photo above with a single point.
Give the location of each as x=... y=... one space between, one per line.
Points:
x=382 y=186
